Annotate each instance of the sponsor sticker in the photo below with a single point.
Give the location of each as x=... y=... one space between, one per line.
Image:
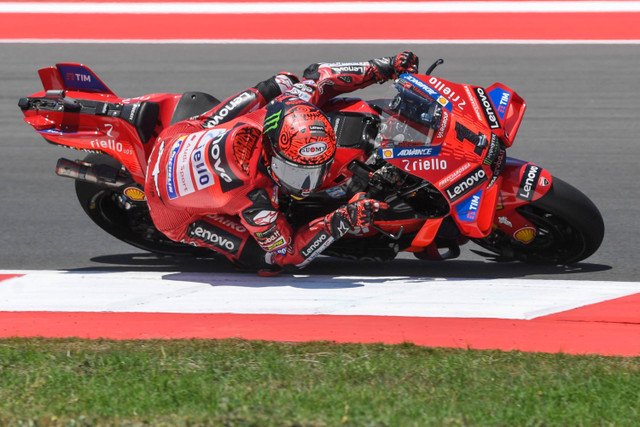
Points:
x=78 y=77
x=505 y=221
x=401 y=152
x=349 y=68
x=443 y=125
x=184 y=181
x=237 y=103
x=428 y=164
x=466 y=184
x=278 y=244
x=321 y=241
x=228 y=222
x=529 y=182
x=525 y=235
x=474 y=103
x=271 y=240
x=312 y=150
x=454 y=175
x=358 y=68
x=449 y=92
x=171 y=182
x=500 y=99
x=134 y=193
x=201 y=173
x=265 y=217
x=493 y=151
x=428 y=90
x=468 y=208
x=214 y=236
x=218 y=159
x=487 y=108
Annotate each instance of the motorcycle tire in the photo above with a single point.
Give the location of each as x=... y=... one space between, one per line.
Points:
x=569 y=229
x=133 y=226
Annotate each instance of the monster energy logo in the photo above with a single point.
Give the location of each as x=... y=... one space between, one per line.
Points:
x=272 y=121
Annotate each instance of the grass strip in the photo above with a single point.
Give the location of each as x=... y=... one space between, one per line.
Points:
x=56 y=382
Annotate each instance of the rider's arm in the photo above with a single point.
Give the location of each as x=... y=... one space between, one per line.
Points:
x=286 y=248
x=248 y=100
x=323 y=81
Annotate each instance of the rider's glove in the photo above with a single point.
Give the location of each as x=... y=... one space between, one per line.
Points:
x=405 y=62
x=391 y=67
x=357 y=214
x=285 y=80
x=276 y=85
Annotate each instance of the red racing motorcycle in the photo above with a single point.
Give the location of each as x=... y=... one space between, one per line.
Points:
x=435 y=151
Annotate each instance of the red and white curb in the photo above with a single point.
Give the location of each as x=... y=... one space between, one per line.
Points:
x=510 y=314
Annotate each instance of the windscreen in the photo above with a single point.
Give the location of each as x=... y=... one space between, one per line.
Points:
x=409 y=119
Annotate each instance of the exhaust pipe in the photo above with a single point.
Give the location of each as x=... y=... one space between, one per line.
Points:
x=98 y=174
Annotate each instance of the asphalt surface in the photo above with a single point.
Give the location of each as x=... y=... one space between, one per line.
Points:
x=582 y=123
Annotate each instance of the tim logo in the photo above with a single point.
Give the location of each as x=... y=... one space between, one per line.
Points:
x=77 y=77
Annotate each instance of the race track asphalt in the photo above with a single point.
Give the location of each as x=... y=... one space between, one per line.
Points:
x=582 y=123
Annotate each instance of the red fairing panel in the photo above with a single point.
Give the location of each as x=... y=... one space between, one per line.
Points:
x=523 y=183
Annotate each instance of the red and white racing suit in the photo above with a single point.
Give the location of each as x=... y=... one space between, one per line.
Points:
x=207 y=184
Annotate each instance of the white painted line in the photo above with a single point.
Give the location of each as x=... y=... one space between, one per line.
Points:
x=156 y=292
x=323 y=7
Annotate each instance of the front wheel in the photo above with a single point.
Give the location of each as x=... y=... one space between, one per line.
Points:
x=569 y=229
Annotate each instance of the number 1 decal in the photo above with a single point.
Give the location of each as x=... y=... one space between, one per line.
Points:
x=479 y=140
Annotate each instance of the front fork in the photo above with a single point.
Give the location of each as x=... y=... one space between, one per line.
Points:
x=522 y=183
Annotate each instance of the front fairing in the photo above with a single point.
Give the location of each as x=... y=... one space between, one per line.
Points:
x=460 y=150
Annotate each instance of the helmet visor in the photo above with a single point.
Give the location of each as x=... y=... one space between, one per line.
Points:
x=299 y=180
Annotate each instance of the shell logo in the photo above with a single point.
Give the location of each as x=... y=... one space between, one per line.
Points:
x=525 y=234
x=387 y=154
x=134 y=194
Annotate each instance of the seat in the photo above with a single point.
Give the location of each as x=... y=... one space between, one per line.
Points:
x=193 y=104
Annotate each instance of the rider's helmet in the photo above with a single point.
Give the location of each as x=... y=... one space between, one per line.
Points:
x=299 y=145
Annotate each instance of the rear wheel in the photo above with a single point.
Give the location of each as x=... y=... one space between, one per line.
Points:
x=569 y=229
x=132 y=224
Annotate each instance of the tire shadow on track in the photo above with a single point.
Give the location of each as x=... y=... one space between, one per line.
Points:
x=336 y=266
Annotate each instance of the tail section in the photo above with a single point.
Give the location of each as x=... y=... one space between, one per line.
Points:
x=72 y=76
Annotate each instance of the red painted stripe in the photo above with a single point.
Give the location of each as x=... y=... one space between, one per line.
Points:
x=9 y=276
x=541 y=335
x=441 y=26
x=619 y=310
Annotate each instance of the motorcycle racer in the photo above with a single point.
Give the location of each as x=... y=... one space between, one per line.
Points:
x=213 y=180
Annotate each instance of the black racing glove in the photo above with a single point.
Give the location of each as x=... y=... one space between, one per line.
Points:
x=391 y=67
x=357 y=214
x=276 y=85
x=405 y=62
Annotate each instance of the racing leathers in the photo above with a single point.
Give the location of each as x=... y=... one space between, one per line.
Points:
x=207 y=182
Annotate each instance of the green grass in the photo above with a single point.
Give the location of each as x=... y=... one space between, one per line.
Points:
x=75 y=382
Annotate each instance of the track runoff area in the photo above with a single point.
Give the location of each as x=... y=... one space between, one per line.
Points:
x=575 y=317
